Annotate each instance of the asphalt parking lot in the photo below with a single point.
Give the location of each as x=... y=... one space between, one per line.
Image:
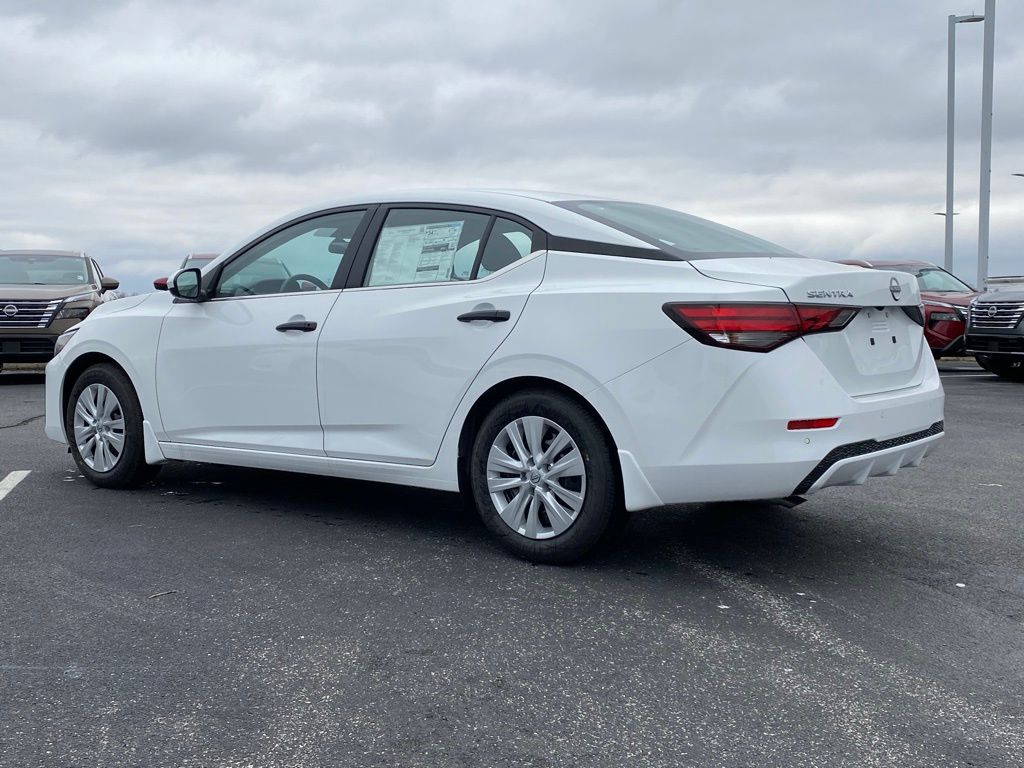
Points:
x=225 y=617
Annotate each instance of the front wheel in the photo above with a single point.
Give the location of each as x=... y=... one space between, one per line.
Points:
x=103 y=422
x=1005 y=368
x=543 y=477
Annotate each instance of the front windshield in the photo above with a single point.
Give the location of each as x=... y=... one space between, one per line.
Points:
x=42 y=269
x=935 y=280
x=673 y=230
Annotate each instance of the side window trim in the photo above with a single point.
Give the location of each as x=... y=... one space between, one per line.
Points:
x=213 y=279
x=360 y=268
x=480 y=251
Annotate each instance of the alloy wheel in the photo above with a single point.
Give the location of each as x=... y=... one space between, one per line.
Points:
x=536 y=477
x=99 y=427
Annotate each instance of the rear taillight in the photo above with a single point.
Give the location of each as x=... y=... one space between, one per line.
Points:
x=757 y=327
x=915 y=313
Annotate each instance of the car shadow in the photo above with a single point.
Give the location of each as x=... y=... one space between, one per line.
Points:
x=756 y=539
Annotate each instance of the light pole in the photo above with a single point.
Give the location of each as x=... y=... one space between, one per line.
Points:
x=950 y=89
x=985 y=192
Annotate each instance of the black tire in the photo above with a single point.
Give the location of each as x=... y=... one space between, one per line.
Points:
x=1007 y=369
x=131 y=469
x=601 y=513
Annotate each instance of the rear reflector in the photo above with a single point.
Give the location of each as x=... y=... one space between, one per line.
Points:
x=812 y=423
x=757 y=327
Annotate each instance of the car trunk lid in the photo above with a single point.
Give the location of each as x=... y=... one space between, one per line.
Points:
x=880 y=350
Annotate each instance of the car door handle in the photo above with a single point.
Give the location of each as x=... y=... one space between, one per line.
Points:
x=297 y=325
x=494 y=315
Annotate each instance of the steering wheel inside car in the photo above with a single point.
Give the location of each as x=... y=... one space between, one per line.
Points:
x=294 y=283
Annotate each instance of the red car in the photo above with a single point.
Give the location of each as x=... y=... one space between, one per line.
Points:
x=192 y=260
x=945 y=298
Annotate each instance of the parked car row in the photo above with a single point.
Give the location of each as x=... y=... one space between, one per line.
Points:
x=961 y=320
x=559 y=360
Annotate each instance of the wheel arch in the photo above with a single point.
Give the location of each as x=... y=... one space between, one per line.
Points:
x=502 y=389
x=78 y=366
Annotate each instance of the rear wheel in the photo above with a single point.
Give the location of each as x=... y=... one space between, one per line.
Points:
x=1005 y=368
x=103 y=422
x=543 y=477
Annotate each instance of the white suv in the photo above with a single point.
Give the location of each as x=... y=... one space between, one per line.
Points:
x=562 y=360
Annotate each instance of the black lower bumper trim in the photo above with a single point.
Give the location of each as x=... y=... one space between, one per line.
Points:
x=864 y=447
x=26 y=349
x=995 y=345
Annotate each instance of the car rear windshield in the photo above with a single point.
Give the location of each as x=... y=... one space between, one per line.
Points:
x=42 y=269
x=673 y=231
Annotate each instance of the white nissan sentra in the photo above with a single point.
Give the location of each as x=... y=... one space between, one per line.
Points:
x=561 y=360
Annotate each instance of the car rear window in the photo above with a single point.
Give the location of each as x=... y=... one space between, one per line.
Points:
x=673 y=231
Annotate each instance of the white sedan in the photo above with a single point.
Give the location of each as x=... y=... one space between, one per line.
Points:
x=562 y=360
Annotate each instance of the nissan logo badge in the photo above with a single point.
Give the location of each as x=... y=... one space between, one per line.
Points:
x=894 y=289
x=992 y=311
x=10 y=310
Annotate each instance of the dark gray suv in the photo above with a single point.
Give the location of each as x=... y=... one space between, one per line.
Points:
x=42 y=294
x=995 y=333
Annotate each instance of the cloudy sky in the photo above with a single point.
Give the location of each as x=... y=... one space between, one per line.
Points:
x=141 y=131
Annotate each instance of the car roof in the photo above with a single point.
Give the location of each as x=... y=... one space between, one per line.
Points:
x=535 y=206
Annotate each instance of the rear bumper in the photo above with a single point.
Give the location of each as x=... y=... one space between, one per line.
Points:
x=854 y=463
x=690 y=441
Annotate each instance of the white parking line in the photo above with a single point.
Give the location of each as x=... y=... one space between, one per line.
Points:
x=13 y=478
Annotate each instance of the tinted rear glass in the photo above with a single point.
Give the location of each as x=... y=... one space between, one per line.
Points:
x=674 y=231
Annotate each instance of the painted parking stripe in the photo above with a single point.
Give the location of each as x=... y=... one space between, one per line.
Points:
x=11 y=481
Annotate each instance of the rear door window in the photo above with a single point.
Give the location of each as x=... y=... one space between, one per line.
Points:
x=507 y=243
x=420 y=245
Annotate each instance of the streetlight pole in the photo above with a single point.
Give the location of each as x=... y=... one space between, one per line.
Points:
x=985 y=191
x=950 y=108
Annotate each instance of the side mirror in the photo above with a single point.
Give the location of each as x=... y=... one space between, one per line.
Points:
x=186 y=285
x=160 y=284
x=108 y=284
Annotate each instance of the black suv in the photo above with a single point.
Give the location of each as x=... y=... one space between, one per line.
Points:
x=995 y=333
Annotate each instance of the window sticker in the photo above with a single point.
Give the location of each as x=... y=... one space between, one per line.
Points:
x=417 y=253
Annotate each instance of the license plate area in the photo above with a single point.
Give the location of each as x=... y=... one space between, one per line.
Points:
x=864 y=358
x=881 y=332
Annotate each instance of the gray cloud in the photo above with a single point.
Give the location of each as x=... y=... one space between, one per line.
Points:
x=142 y=130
